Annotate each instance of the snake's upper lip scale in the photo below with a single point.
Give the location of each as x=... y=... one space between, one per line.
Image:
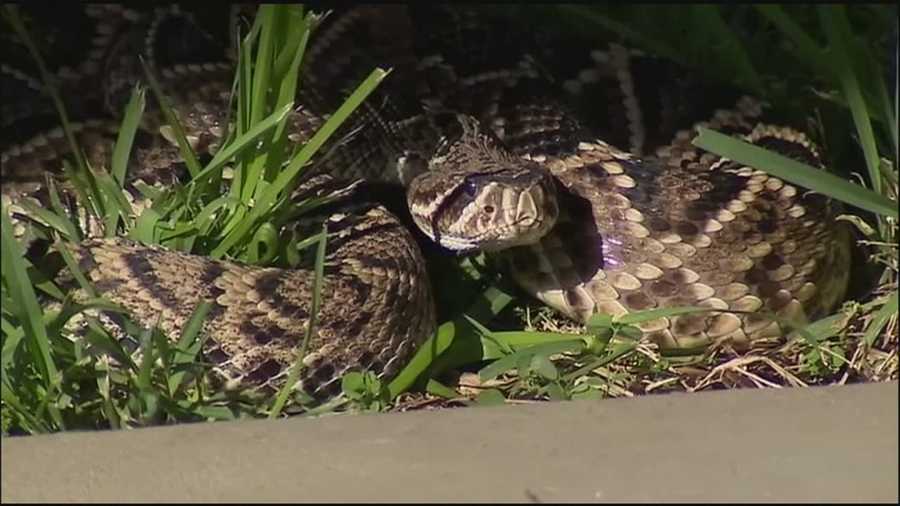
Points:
x=537 y=221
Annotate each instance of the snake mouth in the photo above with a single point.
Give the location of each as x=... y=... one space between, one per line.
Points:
x=522 y=233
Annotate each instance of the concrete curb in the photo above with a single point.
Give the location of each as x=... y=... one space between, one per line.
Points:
x=816 y=444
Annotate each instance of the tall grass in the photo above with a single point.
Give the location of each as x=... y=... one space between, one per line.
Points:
x=208 y=215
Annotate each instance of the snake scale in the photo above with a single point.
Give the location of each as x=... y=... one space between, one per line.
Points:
x=493 y=155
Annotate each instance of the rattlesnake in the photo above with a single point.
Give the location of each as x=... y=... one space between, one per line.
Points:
x=492 y=158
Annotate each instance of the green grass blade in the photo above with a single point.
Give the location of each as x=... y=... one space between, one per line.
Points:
x=29 y=315
x=881 y=318
x=510 y=361
x=55 y=323
x=432 y=348
x=104 y=343
x=433 y=354
x=189 y=345
x=439 y=389
x=59 y=223
x=517 y=339
x=666 y=312
x=72 y=228
x=121 y=153
x=247 y=139
x=266 y=201
x=187 y=152
x=297 y=367
x=244 y=77
x=264 y=56
x=34 y=423
x=116 y=204
x=835 y=23
x=286 y=94
x=815 y=332
x=86 y=191
x=76 y=272
x=806 y=48
x=148 y=356
x=617 y=352
x=263 y=245
x=710 y=16
x=111 y=185
x=270 y=32
x=795 y=172
x=299 y=30
x=144 y=229
x=12 y=337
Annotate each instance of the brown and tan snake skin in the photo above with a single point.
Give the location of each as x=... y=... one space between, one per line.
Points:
x=492 y=161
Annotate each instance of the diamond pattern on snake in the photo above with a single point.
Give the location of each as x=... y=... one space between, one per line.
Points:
x=602 y=207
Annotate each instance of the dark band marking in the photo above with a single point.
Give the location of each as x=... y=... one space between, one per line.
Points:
x=143 y=270
x=269 y=283
x=264 y=372
x=207 y=280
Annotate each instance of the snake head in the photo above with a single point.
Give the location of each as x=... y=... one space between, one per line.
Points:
x=477 y=195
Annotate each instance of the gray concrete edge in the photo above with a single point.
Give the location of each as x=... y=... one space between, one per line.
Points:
x=815 y=444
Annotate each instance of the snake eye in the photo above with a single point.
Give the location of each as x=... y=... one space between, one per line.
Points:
x=470 y=187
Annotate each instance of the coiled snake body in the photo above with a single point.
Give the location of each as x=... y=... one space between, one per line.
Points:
x=492 y=158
